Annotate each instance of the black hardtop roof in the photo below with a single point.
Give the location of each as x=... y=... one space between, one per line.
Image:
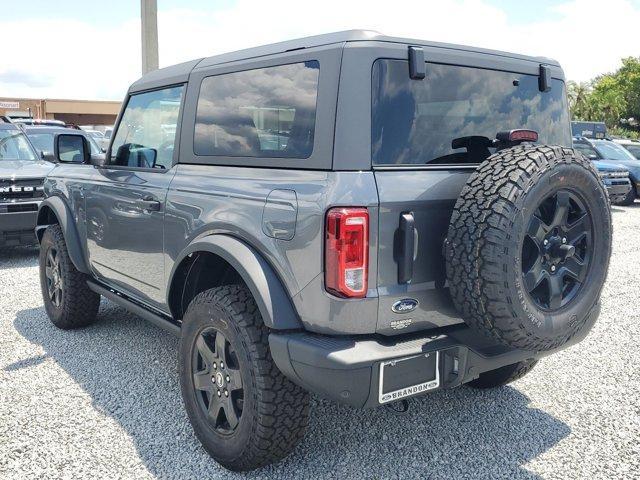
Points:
x=177 y=73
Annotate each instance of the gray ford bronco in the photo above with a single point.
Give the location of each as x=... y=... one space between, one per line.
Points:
x=358 y=216
x=22 y=173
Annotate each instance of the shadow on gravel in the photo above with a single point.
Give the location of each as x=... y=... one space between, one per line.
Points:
x=129 y=369
x=18 y=257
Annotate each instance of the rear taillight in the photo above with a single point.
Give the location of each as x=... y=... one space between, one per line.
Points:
x=347 y=252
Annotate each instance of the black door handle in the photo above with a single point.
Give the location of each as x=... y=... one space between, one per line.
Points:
x=149 y=203
x=407 y=246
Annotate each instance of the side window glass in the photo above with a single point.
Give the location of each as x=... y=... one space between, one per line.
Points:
x=266 y=112
x=146 y=135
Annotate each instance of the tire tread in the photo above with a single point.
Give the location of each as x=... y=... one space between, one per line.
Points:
x=282 y=406
x=479 y=232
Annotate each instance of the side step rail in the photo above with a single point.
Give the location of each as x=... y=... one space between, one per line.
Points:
x=161 y=321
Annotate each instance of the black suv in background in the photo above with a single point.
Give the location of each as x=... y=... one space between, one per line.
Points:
x=22 y=173
x=359 y=216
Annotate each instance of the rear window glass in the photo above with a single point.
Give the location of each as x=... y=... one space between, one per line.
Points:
x=268 y=112
x=415 y=121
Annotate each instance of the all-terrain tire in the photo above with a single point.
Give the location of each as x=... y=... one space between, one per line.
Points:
x=275 y=411
x=78 y=305
x=485 y=242
x=504 y=375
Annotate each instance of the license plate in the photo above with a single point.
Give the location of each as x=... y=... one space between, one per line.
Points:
x=408 y=376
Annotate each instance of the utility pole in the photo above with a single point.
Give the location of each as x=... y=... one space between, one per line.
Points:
x=149 y=17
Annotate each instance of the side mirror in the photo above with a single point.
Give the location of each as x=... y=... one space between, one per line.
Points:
x=592 y=156
x=71 y=148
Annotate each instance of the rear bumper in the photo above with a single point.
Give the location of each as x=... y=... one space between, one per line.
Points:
x=347 y=369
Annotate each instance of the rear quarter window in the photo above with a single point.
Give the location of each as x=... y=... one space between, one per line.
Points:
x=414 y=122
x=267 y=112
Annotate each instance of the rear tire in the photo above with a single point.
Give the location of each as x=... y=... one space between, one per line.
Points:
x=504 y=375
x=246 y=427
x=68 y=301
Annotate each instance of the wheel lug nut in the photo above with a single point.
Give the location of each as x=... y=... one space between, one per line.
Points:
x=221 y=364
x=215 y=367
x=564 y=240
x=219 y=394
x=227 y=378
x=553 y=268
x=546 y=242
x=226 y=393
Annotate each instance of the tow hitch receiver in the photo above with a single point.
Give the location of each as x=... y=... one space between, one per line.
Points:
x=404 y=377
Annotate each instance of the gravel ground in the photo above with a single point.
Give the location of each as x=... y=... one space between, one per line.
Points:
x=104 y=402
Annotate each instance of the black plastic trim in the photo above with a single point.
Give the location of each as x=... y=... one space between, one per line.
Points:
x=120 y=299
x=417 y=65
x=67 y=223
x=406 y=247
x=346 y=369
x=544 y=79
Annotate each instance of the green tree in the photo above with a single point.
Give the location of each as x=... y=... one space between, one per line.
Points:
x=578 y=94
x=613 y=98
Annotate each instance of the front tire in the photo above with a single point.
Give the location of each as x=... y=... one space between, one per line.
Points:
x=243 y=410
x=68 y=301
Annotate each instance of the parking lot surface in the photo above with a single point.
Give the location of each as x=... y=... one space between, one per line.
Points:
x=104 y=402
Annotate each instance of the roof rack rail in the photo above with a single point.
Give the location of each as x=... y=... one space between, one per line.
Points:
x=5 y=119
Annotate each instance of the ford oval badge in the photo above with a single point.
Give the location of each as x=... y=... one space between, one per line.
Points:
x=405 y=305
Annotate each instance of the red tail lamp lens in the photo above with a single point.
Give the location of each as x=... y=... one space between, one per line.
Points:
x=347 y=252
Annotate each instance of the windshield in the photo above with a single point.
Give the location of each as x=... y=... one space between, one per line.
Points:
x=613 y=151
x=15 y=146
x=587 y=150
x=451 y=116
x=44 y=141
x=634 y=149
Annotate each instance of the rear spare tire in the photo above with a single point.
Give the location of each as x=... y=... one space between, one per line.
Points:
x=528 y=246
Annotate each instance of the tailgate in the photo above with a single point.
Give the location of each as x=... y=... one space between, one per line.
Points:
x=415 y=209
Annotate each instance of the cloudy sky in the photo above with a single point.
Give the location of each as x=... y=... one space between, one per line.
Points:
x=91 y=48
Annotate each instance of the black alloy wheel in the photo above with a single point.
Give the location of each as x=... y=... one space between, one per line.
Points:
x=53 y=276
x=557 y=250
x=217 y=380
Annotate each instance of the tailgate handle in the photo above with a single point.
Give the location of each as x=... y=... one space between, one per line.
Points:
x=407 y=251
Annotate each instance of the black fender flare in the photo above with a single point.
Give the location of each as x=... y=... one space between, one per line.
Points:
x=65 y=219
x=270 y=295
